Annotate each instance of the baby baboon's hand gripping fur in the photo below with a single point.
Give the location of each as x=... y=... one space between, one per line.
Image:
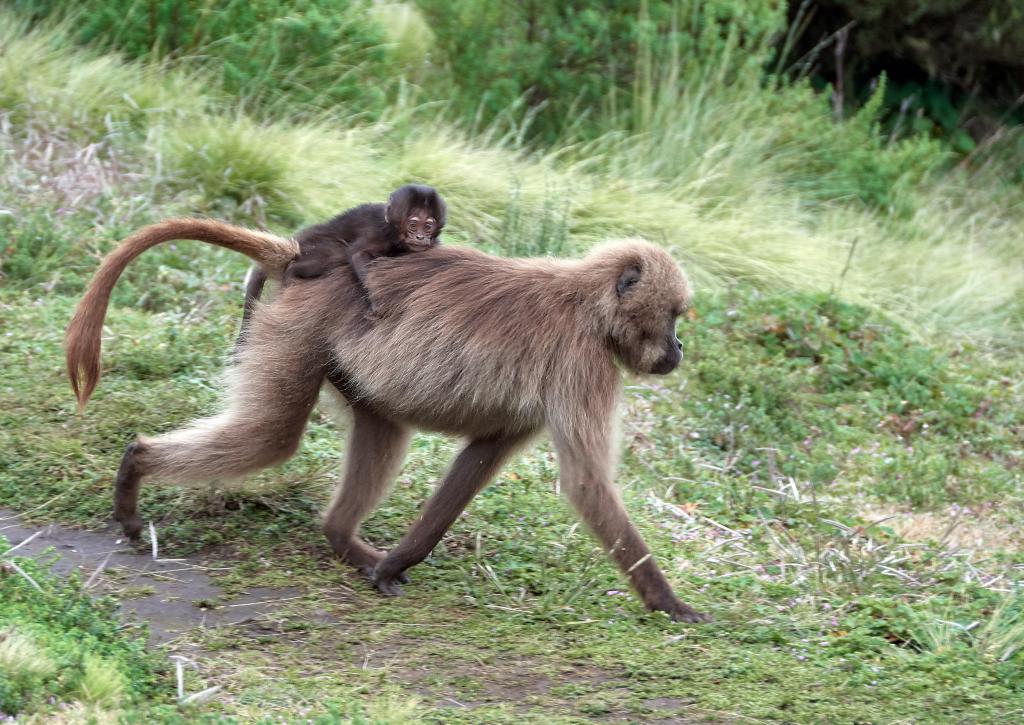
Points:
x=497 y=350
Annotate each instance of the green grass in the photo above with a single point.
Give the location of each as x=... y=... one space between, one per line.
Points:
x=752 y=473
x=821 y=393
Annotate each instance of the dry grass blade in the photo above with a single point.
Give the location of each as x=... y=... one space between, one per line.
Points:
x=153 y=541
x=202 y=696
x=22 y=543
x=24 y=574
x=99 y=570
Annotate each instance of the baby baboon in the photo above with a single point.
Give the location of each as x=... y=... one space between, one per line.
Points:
x=493 y=349
x=411 y=221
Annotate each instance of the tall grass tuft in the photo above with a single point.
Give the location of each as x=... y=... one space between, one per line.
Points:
x=22 y=658
x=101 y=683
x=44 y=77
x=1002 y=636
x=716 y=168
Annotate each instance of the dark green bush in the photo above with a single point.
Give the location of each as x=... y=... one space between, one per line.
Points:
x=848 y=351
x=310 y=52
x=819 y=381
x=576 y=66
x=956 y=71
x=958 y=65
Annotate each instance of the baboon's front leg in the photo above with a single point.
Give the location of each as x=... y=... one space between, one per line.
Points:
x=376 y=450
x=585 y=470
x=472 y=470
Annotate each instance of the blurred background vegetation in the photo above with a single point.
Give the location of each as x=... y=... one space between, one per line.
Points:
x=777 y=137
x=951 y=71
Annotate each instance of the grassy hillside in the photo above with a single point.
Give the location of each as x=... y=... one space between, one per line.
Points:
x=709 y=176
x=834 y=473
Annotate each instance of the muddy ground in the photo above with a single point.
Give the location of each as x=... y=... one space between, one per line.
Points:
x=172 y=596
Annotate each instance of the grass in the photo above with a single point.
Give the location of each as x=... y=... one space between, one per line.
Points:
x=755 y=491
x=804 y=477
x=63 y=654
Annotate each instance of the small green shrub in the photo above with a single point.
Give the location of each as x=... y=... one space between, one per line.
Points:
x=853 y=158
x=61 y=646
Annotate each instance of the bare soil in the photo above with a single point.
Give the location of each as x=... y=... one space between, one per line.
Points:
x=171 y=595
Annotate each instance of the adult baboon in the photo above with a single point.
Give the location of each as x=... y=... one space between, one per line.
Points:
x=490 y=348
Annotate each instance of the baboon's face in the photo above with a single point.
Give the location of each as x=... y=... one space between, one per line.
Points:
x=672 y=349
x=420 y=230
x=416 y=215
x=652 y=296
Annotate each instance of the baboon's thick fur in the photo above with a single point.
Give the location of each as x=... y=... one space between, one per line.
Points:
x=466 y=343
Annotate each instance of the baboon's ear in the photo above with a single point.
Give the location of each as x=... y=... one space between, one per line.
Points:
x=398 y=205
x=629 y=277
x=440 y=209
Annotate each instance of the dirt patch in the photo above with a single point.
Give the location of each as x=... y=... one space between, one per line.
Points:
x=178 y=598
x=523 y=683
x=171 y=595
x=975 y=529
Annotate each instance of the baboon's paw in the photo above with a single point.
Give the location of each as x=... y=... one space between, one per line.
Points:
x=131 y=526
x=680 y=612
x=388 y=585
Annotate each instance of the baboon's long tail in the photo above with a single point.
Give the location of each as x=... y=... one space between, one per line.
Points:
x=82 y=338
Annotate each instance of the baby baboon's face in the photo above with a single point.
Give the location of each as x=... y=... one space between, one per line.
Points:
x=421 y=230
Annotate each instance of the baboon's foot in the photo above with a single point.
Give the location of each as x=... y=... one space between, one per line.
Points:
x=131 y=525
x=359 y=555
x=680 y=612
x=388 y=584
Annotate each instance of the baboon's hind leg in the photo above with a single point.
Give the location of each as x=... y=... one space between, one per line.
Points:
x=255 y=281
x=126 y=493
x=376 y=450
x=268 y=406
